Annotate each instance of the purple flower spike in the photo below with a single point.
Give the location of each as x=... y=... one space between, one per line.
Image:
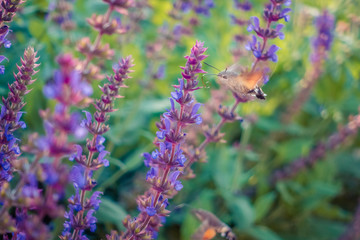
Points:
x=67 y=87
x=273 y=12
x=10 y=110
x=167 y=161
x=321 y=44
x=200 y=7
x=8 y=11
x=325 y=34
x=245 y=5
x=81 y=209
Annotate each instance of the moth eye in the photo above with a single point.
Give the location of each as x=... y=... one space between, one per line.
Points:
x=224 y=77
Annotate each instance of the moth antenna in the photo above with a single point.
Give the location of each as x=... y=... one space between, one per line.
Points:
x=179 y=206
x=212 y=67
x=209 y=74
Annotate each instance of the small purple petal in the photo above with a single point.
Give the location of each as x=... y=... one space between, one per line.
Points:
x=195 y=108
x=151 y=211
x=101 y=158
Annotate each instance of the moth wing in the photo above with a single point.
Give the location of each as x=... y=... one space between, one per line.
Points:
x=235 y=68
x=250 y=80
x=204 y=232
x=267 y=69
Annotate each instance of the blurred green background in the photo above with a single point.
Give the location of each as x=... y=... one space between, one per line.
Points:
x=316 y=204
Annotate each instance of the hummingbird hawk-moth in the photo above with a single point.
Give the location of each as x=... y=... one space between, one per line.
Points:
x=244 y=82
x=210 y=226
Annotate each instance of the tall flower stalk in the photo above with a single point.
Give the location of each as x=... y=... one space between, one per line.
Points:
x=104 y=25
x=11 y=114
x=68 y=90
x=10 y=121
x=7 y=12
x=319 y=151
x=81 y=208
x=43 y=183
x=240 y=22
x=61 y=12
x=167 y=161
x=201 y=7
x=321 y=46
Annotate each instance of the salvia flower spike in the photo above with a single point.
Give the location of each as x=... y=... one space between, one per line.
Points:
x=80 y=215
x=167 y=161
x=10 y=116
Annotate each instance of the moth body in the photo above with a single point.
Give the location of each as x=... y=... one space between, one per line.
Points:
x=242 y=82
x=210 y=226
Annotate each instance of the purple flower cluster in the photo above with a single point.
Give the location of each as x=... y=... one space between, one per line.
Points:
x=54 y=146
x=67 y=87
x=273 y=12
x=81 y=209
x=320 y=47
x=200 y=7
x=4 y=42
x=240 y=38
x=8 y=11
x=243 y=5
x=325 y=31
x=61 y=13
x=167 y=161
x=11 y=114
x=103 y=24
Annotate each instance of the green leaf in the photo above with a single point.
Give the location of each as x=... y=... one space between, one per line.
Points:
x=241 y=210
x=293 y=148
x=36 y=28
x=284 y=193
x=262 y=233
x=223 y=159
x=263 y=204
x=112 y=212
x=320 y=192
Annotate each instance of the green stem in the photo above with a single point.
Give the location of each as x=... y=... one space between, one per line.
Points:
x=239 y=161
